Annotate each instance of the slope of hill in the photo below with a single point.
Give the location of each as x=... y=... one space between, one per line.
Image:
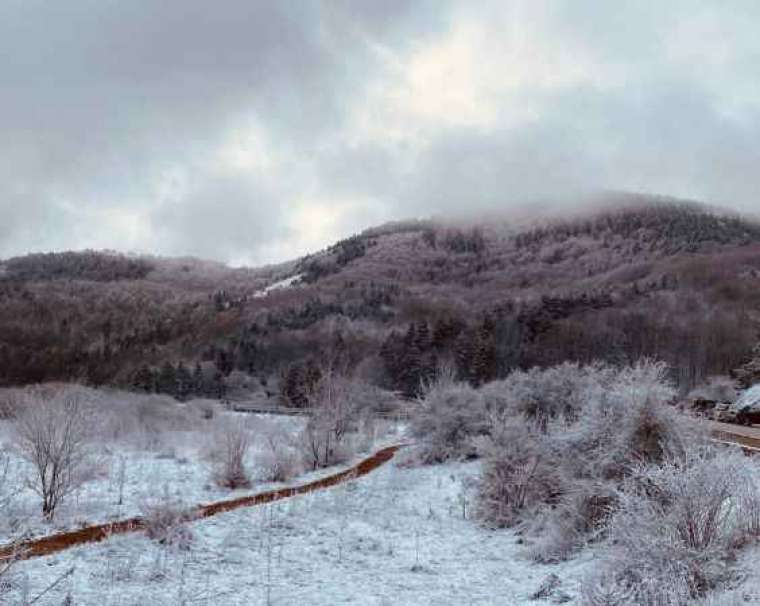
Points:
x=637 y=276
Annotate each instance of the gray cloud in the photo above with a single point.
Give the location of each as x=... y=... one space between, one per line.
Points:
x=256 y=130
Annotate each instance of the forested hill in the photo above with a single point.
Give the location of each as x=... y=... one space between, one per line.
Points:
x=662 y=278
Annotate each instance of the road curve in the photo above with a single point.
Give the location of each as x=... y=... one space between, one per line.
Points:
x=747 y=438
x=91 y=534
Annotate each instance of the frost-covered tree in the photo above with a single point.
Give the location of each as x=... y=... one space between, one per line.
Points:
x=333 y=417
x=232 y=442
x=52 y=432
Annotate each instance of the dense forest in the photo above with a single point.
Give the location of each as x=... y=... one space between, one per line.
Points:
x=667 y=279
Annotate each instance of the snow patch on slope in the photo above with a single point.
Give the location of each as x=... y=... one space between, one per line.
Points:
x=749 y=400
x=286 y=283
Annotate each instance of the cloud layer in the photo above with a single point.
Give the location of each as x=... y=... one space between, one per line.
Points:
x=252 y=132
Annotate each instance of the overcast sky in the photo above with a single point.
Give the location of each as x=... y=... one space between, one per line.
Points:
x=252 y=132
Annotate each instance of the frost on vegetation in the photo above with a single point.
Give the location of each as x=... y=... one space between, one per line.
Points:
x=446 y=422
x=331 y=433
x=53 y=433
x=165 y=518
x=232 y=441
x=597 y=456
x=677 y=529
x=278 y=458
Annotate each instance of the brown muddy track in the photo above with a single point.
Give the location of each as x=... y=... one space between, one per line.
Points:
x=91 y=534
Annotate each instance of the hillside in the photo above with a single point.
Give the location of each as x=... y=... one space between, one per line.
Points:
x=635 y=276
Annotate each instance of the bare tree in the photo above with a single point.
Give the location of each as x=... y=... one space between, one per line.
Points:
x=234 y=441
x=333 y=417
x=52 y=433
x=8 y=491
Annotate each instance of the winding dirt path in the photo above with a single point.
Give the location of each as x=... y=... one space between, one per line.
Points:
x=747 y=438
x=91 y=534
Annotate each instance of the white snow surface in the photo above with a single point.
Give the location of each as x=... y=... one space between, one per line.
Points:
x=749 y=398
x=178 y=464
x=286 y=283
x=399 y=536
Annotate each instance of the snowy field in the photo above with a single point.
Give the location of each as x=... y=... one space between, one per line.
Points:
x=398 y=536
x=177 y=467
x=407 y=533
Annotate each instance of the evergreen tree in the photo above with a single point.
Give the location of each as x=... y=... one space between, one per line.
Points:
x=166 y=381
x=293 y=390
x=464 y=353
x=748 y=374
x=411 y=375
x=198 y=382
x=184 y=382
x=224 y=361
x=483 y=364
x=143 y=379
x=217 y=388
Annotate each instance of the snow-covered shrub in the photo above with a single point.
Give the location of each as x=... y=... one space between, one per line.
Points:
x=10 y=402
x=560 y=391
x=279 y=460
x=232 y=443
x=520 y=472
x=53 y=432
x=165 y=520
x=447 y=420
x=676 y=528
x=555 y=472
x=329 y=435
x=578 y=518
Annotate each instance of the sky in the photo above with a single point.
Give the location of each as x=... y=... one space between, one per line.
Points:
x=253 y=132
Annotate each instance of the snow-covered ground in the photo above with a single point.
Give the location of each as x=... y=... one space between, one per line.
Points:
x=397 y=537
x=749 y=400
x=286 y=283
x=176 y=466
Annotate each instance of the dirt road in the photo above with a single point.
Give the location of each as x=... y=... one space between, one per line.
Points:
x=91 y=534
x=747 y=437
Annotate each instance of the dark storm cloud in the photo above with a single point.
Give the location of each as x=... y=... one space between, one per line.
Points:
x=226 y=130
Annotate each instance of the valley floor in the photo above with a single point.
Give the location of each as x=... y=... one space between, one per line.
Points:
x=397 y=536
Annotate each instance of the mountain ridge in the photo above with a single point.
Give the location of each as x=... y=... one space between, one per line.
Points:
x=608 y=284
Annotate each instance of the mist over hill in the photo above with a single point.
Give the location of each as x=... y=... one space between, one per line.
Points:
x=626 y=277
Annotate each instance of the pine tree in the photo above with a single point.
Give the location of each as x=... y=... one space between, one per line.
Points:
x=293 y=390
x=166 y=382
x=464 y=354
x=217 y=388
x=143 y=379
x=422 y=337
x=483 y=368
x=198 y=384
x=748 y=374
x=184 y=382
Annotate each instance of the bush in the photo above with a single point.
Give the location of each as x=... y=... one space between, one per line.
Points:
x=328 y=438
x=560 y=391
x=677 y=526
x=552 y=467
x=232 y=441
x=520 y=473
x=447 y=421
x=165 y=521
x=278 y=461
